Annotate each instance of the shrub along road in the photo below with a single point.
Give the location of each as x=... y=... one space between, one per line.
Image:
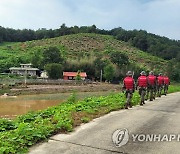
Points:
x=161 y=116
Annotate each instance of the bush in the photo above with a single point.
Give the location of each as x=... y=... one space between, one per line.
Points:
x=6 y=125
x=78 y=77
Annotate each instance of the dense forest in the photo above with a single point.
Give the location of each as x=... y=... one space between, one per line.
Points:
x=156 y=45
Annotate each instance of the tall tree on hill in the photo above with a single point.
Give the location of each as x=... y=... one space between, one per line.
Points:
x=41 y=33
x=140 y=41
x=27 y=34
x=64 y=30
x=52 y=55
x=92 y=29
x=37 y=59
x=2 y=34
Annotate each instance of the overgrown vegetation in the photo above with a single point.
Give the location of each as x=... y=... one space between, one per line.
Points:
x=154 y=44
x=12 y=55
x=19 y=134
x=84 y=52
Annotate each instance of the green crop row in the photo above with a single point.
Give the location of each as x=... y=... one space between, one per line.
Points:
x=16 y=136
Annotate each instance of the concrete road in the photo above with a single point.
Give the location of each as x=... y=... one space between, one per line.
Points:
x=158 y=118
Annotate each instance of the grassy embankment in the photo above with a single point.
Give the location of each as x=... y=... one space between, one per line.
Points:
x=17 y=135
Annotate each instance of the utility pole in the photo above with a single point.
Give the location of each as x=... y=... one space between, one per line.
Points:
x=101 y=76
x=25 y=78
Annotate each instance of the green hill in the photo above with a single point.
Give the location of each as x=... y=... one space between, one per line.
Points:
x=77 y=46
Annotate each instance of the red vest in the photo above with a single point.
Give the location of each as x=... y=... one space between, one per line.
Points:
x=142 y=81
x=166 y=80
x=129 y=83
x=151 y=79
x=160 y=80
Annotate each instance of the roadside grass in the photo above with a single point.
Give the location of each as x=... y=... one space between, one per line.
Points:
x=17 y=135
x=174 y=88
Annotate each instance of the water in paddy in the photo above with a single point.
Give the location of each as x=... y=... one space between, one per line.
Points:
x=11 y=107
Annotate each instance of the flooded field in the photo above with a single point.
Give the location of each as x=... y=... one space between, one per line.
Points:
x=11 y=107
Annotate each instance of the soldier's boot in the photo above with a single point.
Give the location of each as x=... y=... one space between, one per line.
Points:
x=146 y=97
x=154 y=96
x=126 y=106
x=141 y=103
x=159 y=95
x=151 y=98
x=130 y=105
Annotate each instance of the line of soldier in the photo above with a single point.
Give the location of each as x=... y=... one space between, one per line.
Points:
x=148 y=86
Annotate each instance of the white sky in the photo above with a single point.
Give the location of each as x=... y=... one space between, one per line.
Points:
x=161 y=17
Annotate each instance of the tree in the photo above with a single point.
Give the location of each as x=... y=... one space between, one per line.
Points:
x=99 y=65
x=41 y=33
x=109 y=72
x=2 y=34
x=37 y=59
x=52 y=55
x=92 y=29
x=78 y=76
x=54 y=70
x=173 y=70
x=140 y=40
x=119 y=58
x=63 y=30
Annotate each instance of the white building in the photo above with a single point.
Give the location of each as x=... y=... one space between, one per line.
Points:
x=24 y=69
x=44 y=75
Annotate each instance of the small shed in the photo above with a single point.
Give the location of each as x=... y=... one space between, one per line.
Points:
x=72 y=75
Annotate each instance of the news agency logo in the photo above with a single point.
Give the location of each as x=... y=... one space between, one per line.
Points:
x=120 y=137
